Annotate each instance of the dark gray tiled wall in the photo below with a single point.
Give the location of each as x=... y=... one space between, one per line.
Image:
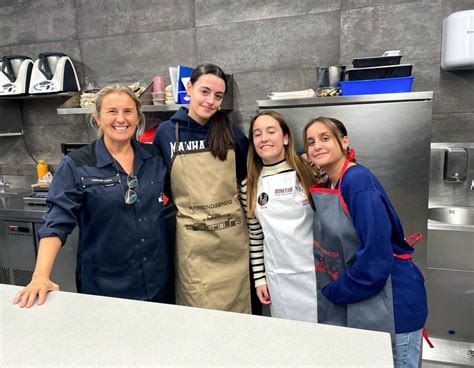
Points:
x=268 y=45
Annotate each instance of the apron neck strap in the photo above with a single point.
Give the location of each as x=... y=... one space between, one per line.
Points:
x=176 y=129
x=350 y=158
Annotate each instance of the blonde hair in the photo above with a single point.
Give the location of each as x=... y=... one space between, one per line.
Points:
x=116 y=88
x=305 y=174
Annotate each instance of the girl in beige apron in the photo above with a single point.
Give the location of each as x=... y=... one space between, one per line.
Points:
x=211 y=236
x=211 y=255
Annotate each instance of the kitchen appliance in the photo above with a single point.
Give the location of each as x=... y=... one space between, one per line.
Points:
x=18 y=252
x=53 y=72
x=457 y=47
x=330 y=76
x=15 y=73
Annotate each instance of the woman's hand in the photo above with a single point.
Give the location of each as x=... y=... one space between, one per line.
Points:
x=36 y=289
x=263 y=295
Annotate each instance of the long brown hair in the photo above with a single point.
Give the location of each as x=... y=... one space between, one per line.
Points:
x=305 y=174
x=335 y=126
x=220 y=136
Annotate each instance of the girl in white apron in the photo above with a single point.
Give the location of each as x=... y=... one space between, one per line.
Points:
x=276 y=198
x=365 y=276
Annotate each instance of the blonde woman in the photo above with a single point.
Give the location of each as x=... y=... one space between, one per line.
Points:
x=279 y=211
x=113 y=189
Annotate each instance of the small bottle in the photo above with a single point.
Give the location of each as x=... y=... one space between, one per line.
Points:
x=41 y=169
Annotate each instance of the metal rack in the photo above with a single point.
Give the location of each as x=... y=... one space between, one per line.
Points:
x=72 y=106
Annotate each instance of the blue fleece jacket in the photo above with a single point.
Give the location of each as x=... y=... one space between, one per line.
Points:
x=381 y=234
x=193 y=136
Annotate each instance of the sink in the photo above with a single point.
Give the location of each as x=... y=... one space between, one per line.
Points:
x=452 y=215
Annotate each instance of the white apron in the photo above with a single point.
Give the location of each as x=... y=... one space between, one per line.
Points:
x=286 y=218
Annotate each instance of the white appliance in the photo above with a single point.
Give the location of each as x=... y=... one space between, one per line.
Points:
x=15 y=72
x=457 y=48
x=53 y=72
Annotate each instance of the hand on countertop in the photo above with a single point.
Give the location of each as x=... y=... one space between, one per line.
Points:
x=36 y=289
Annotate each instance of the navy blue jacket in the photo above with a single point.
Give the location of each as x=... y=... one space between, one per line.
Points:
x=123 y=250
x=381 y=234
x=193 y=136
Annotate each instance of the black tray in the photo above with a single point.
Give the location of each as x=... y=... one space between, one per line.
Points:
x=376 y=61
x=379 y=72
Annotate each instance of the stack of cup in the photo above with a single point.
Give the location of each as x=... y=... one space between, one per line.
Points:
x=158 y=92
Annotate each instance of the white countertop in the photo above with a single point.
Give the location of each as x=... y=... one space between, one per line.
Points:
x=84 y=330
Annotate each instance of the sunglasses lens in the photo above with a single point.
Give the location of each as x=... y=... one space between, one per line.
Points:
x=132 y=181
x=130 y=197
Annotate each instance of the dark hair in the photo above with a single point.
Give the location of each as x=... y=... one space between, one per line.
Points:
x=336 y=126
x=220 y=136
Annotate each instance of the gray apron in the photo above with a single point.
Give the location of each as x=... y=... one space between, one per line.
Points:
x=334 y=246
x=212 y=244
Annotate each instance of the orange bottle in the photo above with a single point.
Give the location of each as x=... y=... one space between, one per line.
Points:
x=41 y=169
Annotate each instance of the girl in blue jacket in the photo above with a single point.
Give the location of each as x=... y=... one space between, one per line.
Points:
x=365 y=275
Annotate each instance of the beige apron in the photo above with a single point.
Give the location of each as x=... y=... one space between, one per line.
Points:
x=212 y=245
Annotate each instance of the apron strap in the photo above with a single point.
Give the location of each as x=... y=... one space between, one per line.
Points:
x=403 y=256
x=424 y=332
x=414 y=239
x=343 y=171
x=176 y=129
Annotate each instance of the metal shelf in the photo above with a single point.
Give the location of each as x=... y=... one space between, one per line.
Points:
x=345 y=100
x=38 y=96
x=72 y=107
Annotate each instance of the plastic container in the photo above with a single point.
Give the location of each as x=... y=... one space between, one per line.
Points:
x=158 y=83
x=379 y=72
x=158 y=98
x=376 y=61
x=374 y=86
x=41 y=169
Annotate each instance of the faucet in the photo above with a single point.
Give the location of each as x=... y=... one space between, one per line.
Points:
x=4 y=185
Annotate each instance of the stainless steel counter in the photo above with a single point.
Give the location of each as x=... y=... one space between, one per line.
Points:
x=12 y=207
x=346 y=100
x=84 y=330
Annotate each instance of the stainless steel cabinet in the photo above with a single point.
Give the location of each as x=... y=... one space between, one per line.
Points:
x=18 y=251
x=391 y=134
x=65 y=266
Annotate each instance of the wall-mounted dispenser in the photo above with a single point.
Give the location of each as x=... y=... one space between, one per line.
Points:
x=455 y=165
x=457 y=48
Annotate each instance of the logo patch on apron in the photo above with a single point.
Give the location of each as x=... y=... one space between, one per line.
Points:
x=262 y=199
